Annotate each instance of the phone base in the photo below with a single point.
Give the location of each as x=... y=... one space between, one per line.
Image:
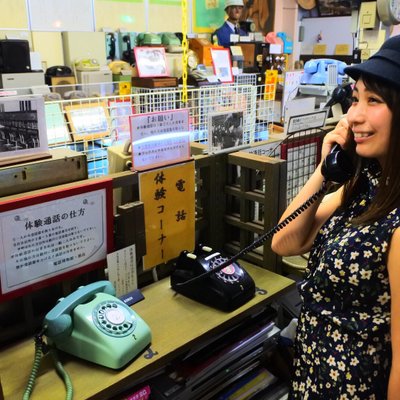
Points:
x=105 y=331
x=226 y=289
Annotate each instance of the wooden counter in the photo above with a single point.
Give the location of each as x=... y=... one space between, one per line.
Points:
x=178 y=324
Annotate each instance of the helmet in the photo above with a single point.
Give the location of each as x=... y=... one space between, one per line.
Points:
x=229 y=3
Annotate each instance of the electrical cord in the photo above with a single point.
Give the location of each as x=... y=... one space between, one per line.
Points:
x=311 y=200
x=63 y=374
x=40 y=349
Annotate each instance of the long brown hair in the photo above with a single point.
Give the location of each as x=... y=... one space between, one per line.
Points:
x=388 y=193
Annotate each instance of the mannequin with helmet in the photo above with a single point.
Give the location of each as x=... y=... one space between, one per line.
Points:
x=233 y=9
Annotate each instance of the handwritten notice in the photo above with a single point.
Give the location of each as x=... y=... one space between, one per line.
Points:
x=122 y=271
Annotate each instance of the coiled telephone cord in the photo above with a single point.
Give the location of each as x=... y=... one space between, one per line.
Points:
x=311 y=200
x=40 y=349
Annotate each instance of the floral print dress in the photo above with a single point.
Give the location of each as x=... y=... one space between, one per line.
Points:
x=342 y=346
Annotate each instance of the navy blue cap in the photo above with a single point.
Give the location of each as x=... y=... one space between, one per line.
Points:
x=384 y=65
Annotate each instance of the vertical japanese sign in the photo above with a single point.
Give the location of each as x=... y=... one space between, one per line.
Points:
x=271 y=80
x=169 y=212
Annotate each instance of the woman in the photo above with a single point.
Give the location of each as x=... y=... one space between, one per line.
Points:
x=347 y=345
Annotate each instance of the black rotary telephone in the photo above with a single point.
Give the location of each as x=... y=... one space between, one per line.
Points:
x=227 y=288
x=213 y=278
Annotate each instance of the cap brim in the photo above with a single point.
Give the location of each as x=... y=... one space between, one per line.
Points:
x=379 y=68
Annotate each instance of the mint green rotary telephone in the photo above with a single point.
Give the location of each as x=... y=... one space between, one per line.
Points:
x=93 y=324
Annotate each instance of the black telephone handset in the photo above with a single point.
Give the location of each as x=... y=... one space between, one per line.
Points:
x=217 y=280
x=111 y=42
x=226 y=289
x=127 y=55
x=337 y=166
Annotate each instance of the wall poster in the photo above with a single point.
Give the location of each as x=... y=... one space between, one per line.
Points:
x=208 y=15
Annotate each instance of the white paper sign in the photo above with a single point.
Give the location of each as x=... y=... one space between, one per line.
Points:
x=122 y=272
x=160 y=138
x=44 y=240
x=307 y=121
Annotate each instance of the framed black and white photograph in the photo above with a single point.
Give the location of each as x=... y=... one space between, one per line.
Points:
x=23 y=134
x=225 y=130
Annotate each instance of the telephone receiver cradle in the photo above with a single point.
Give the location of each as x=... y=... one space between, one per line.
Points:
x=93 y=324
x=227 y=289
